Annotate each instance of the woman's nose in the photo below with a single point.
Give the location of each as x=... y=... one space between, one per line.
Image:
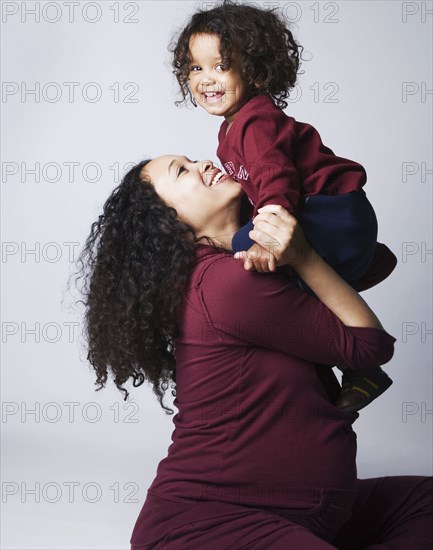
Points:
x=206 y=165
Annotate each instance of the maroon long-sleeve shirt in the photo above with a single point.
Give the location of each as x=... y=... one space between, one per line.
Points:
x=255 y=425
x=278 y=160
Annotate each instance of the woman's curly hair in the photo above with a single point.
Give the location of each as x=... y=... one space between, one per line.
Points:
x=134 y=266
x=269 y=55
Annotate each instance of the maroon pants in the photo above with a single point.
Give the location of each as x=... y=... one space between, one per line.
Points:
x=394 y=513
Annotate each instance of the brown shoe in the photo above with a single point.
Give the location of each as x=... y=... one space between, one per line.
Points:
x=360 y=387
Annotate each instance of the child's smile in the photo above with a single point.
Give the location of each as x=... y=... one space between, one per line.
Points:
x=219 y=90
x=213 y=97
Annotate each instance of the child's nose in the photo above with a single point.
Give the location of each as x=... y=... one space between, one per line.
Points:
x=207 y=78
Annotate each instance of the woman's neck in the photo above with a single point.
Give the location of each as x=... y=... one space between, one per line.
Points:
x=222 y=226
x=223 y=240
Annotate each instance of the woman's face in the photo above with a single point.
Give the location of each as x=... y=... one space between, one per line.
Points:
x=202 y=195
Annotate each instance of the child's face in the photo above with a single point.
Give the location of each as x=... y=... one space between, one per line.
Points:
x=221 y=92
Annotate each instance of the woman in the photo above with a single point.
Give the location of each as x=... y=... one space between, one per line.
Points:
x=261 y=458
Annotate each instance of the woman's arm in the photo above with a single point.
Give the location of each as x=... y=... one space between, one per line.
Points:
x=272 y=312
x=278 y=231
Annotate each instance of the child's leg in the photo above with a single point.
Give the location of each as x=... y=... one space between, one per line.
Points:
x=343 y=230
x=383 y=264
x=241 y=240
x=362 y=386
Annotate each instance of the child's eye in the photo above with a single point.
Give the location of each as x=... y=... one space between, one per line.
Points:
x=194 y=69
x=181 y=169
x=223 y=66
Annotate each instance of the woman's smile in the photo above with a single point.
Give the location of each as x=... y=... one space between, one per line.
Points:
x=200 y=192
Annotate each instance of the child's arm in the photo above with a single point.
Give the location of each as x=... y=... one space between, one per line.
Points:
x=287 y=160
x=265 y=144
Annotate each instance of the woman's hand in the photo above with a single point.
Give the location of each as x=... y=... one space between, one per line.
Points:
x=280 y=237
x=257 y=258
x=278 y=232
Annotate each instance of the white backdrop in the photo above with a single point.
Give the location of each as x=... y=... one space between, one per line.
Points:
x=87 y=87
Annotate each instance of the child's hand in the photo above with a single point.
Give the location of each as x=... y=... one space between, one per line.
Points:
x=257 y=258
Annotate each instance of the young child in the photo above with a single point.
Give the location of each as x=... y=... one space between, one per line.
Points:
x=239 y=62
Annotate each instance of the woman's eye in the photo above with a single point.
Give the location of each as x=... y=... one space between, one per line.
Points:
x=181 y=169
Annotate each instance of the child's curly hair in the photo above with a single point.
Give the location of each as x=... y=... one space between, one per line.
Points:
x=269 y=55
